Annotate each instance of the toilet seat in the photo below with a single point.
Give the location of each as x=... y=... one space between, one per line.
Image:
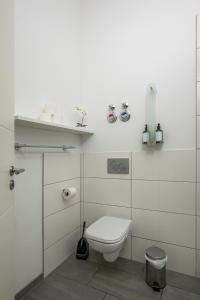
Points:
x=108 y=230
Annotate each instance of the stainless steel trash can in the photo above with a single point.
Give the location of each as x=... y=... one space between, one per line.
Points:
x=155 y=268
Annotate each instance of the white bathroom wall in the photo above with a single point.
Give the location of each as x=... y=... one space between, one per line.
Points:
x=127 y=45
x=198 y=147
x=47 y=56
x=61 y=217
x=28 y=203
x=47 y=70
x=164 y=208
x=159 y=199
x=7 y=204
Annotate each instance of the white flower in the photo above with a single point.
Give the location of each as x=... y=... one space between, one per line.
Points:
x=81 y=111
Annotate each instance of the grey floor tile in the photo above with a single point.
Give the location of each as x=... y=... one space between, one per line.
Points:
x=122 y=264
x=185 y=282
x=76 y=269
x=96 y=257
x=172 y=293
x=122 y=284
x=127 y=265
x=27 y=298
x=109 y=297
x=57 y=287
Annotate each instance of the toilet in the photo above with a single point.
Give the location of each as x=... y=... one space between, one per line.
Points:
x=107 y=235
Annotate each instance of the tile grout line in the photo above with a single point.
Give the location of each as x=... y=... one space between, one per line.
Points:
x=60 y=181
x=62 y=238
x=81 y=188
x=43 y=250
x=60 y=210
x=81 y=283
x=132 y=202
x=74 y=280
x=141 y=179
x=11 y=130
x=110 y=294
x=91 y=278
x=140 y=208
x=162 y=242
x=196 y=150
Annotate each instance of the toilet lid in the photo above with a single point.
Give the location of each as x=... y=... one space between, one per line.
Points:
x=108 y=230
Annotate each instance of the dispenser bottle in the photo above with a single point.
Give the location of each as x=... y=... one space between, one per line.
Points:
x=145 y=135
x=159 y=134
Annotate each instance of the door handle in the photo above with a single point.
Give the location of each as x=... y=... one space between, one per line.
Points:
x=14 y=171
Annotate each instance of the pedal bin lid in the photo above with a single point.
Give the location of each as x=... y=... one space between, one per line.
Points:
x=155 y=253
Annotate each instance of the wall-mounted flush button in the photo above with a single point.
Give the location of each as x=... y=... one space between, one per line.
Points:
x=118 y=166
x=112 y=118
x=124 y=114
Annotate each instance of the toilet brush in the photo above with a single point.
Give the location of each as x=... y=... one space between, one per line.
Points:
x=82 y=251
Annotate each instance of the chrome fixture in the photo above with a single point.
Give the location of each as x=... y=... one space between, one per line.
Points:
x=112 y=117
x=153 y=133
x=63 y=147
x=124 y=114
x=14 y=171
x=12 y=184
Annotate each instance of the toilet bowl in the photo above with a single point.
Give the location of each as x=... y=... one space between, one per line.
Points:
x=107 y=236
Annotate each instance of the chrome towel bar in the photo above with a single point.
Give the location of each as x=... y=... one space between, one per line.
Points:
x=63 y=147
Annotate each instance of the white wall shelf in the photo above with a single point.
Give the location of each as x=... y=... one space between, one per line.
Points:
x=34 y=123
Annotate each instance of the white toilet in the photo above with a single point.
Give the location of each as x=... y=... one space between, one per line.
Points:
x=107 y=235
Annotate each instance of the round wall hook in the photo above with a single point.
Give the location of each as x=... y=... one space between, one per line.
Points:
x=111 y=107
x=124 y=114
x=112 y=118
x=124 y=105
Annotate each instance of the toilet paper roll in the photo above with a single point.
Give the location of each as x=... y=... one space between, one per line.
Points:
x=69 y=193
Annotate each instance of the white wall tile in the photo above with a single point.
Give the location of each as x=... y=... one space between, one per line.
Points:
x=198 y=132
x=198 y=165
x=198 y=64
x=29 y=218
x=60 y=251
x=6 y=137
x=198 y=199
x=53 y=200
x=126 y=250
x=108 y=191
x=165 y=227
x=164 y=165
x=198 y=98
x=198 y=263
x=95 y=164
x=180 y=259
x=60 y=224
x=164 y=196
x=60 y=167
x=198 y=32
x=82 y=164
x=7 y=250
x=95 y=211
x=198 y=232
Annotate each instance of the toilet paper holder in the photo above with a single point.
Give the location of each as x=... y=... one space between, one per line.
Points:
x=68 y=193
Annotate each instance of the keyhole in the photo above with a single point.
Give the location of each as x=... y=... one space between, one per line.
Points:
x=12 y=184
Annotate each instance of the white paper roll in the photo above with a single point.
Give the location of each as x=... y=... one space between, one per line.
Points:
x=69 y=193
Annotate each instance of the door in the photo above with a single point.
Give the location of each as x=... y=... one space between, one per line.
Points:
x=7 y=263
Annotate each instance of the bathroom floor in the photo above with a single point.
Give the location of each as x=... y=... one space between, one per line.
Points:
x=95 y=279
